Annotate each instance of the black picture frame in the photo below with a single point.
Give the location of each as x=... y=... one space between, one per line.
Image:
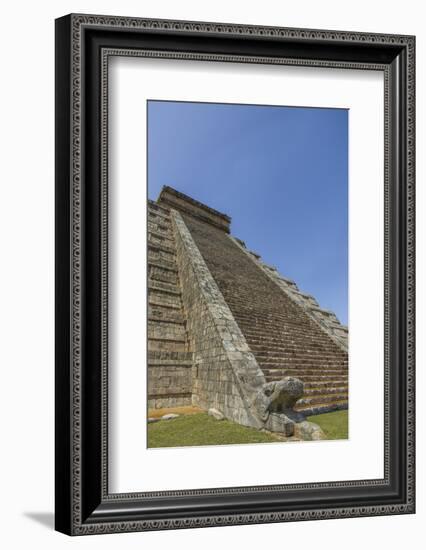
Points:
x=83 y=504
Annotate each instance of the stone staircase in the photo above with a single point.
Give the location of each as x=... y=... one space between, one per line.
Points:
x=169 y=355
x=281 y=334
x=326 y=319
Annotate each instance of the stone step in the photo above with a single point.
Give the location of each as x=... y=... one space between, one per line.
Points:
x=169 y=363
x=286 y=337
x=275 y=357
x=303 y=297
x=304 y=371
x=310 y=378
x=307 y=373
x=328 y=391
x=166 y=244
x=160 y=286
x=162 y=275
x=161 y=247
x=160 y=233
x=323 y=385
x=154 y=258
x=339 y=326
x=339 y=331
x=265 y=318
x=162 y=330
x=160 y=229
x=283 y=361
x=307 y=368
x=159 y=226
x=249 y=313
x=157 y=215
x=155 y=243
x=285 y=331
x=180 y=356
x=165 y=266
x=304 y=366
x=300 y=360
x=321 y=399
x=164 y=299
x=310 y=410
x=324 y=313
x=166 y=345
x=267 y=350
x=161 y=313
x=293 y=351
x=155 y=237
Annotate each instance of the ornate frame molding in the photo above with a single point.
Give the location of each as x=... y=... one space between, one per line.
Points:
x=85 y=507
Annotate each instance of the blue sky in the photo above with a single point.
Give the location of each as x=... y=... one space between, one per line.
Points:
x=281 y=173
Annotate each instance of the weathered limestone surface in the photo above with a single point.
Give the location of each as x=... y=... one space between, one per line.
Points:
x=217 y=415
x=284 y=339
x=283 y=394
x=228 y=333
x=169 y=355
x=226 y=376
x=174 y=199
x=309 y=431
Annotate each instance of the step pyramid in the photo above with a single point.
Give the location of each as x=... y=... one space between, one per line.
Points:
x=201 y=278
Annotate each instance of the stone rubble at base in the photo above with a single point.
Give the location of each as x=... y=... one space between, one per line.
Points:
x=217 y=415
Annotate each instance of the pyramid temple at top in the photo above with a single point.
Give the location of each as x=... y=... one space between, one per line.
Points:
x=227 y=331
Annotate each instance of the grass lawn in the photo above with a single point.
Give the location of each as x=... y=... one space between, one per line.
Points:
x=201 y=429
x=333 y=424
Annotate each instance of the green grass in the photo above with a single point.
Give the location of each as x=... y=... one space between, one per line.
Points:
x=333 y=424
x=201 y=429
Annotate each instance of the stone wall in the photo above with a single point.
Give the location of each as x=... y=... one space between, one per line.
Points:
x=226 y=375
x=174 y=199
x=261 y=348
x=169 y=380
x=282 y=337
x=169 y=356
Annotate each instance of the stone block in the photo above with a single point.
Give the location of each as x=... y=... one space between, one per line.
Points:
x=216 y=414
